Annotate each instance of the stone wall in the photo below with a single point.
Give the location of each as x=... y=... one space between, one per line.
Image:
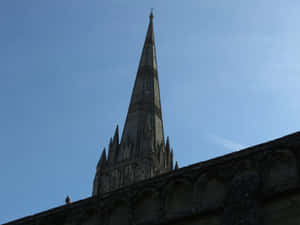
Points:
x=258 y=185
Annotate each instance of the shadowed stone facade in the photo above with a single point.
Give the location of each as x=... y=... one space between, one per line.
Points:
x=136 y=185
x=256 y=186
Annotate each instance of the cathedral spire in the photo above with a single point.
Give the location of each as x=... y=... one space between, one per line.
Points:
x=144 y=126
x=142 y=152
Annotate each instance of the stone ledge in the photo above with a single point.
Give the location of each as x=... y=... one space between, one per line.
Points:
x=291 y=141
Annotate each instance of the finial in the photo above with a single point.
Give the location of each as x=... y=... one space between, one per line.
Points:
x=168 y=144
x=103 y=155
x=116 y=135
x=151 y=14
x=176 y=166
x=68 y=200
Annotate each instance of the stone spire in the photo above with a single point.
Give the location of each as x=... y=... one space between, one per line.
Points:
x=143 y=126
x=142 y=152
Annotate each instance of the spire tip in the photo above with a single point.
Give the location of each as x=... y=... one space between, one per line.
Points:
x=151 y=14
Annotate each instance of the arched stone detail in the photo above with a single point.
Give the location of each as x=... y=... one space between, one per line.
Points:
x=179 y=196
x=241 y=205
x=213 y=194
x=146 y=206
x=118 y=213
x=209 y=191
x=81 y=216
x=280 y=169
x=228 y=171
x=92 y=220
x=199 y=188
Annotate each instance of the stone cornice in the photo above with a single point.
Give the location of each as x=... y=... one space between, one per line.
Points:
x=227 y=170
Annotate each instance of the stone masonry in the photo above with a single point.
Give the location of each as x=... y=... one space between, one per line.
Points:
x=255 y=186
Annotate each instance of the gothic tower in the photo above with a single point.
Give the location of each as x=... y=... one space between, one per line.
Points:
x=142 y=151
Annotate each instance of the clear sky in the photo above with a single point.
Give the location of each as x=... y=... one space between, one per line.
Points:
x=228 y=71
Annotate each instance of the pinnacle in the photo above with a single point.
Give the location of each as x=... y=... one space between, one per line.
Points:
x=176 y=166
x=168 y=144
x=116 y=135
x=103 y=155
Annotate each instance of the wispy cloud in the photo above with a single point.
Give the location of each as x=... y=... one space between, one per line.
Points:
x=226 y=143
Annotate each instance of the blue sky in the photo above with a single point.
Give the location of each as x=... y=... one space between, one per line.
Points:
x=228 y=70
